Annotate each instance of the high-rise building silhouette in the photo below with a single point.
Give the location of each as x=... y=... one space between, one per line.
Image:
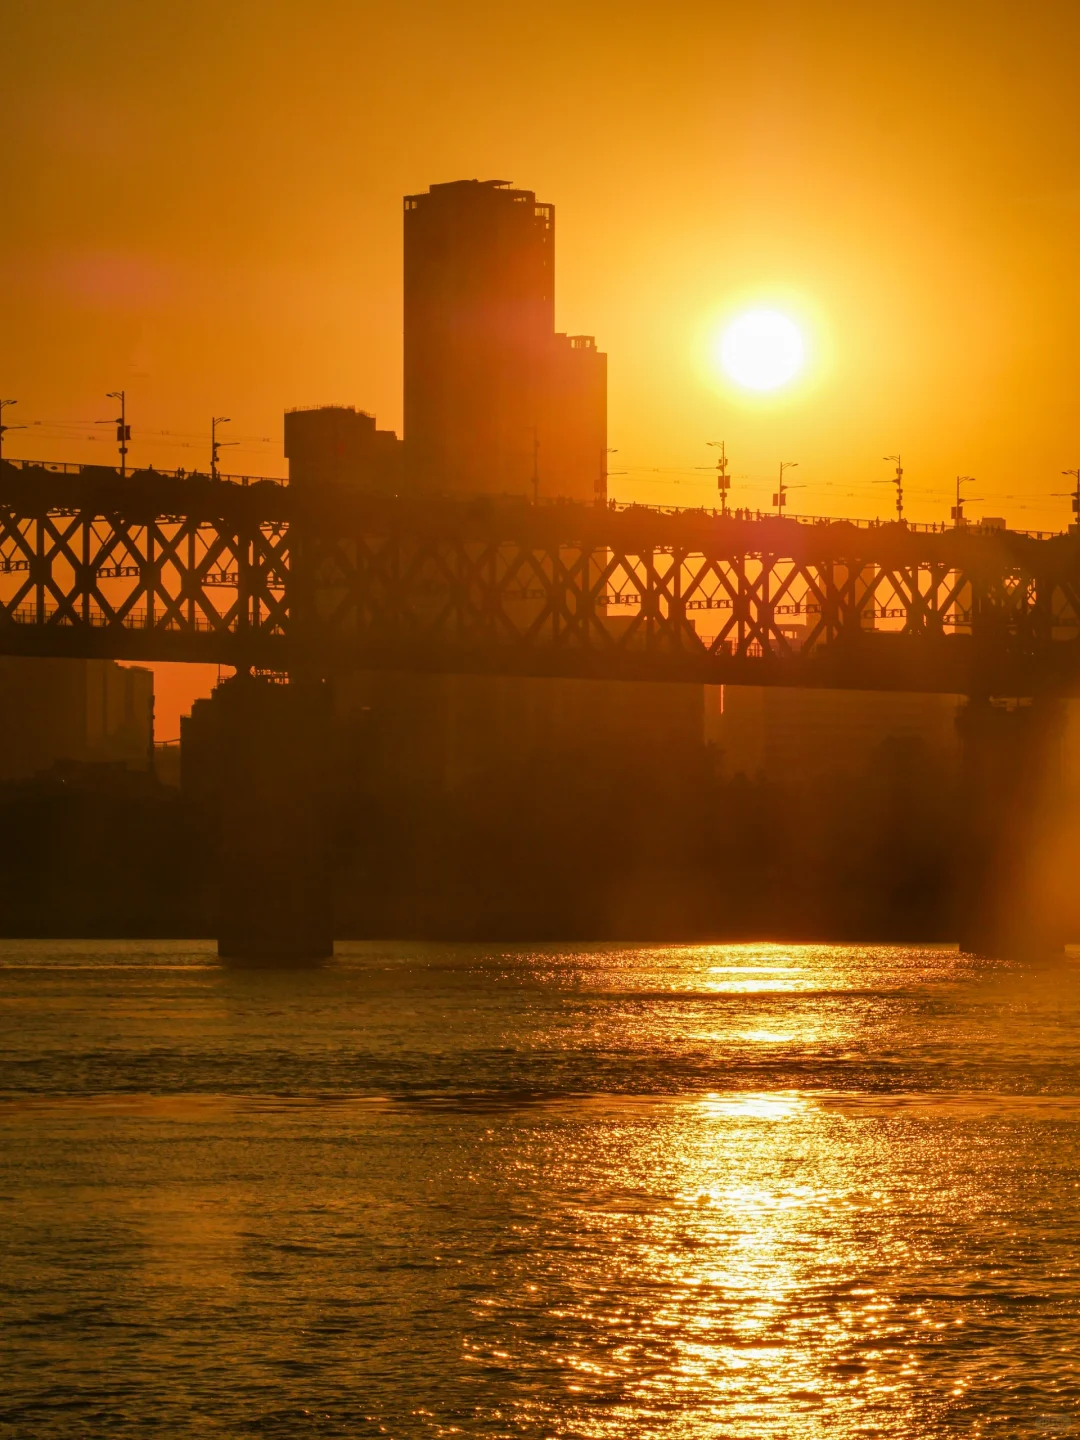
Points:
x=495 y=401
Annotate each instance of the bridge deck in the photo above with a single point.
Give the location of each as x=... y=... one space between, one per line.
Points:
x=249 y=572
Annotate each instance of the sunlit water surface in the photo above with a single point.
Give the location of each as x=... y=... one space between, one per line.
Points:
x=731 y=1191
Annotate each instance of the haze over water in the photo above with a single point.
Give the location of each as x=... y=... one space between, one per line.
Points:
x=724 y=1191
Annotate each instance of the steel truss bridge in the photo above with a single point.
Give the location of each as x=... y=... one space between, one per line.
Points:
x=258 y=575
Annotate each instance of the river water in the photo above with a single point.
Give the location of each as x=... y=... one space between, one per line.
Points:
x=722 y=1191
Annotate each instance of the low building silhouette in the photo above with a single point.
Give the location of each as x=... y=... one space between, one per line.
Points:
x=77 y=710
x=792 y=734
x=340 y=446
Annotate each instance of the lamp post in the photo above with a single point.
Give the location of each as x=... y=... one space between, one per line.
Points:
x=216 y=444
x=123 y=429
x=898 y=481
x=1076 y=494
x=957 y=513
x=534 y=430
x=723 y=480
x=601 y=479
x=5 y=428
x=780 y=498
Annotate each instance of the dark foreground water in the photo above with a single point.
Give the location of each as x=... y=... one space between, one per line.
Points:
x=733 y=1191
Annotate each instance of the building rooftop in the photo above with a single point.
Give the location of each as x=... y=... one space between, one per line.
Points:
x=440 y=190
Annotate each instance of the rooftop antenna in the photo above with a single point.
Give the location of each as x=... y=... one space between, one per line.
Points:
x=5 y=428
x=216 y=444
x=957 y=513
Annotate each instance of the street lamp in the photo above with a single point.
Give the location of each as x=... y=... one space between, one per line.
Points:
x=780 y=498
x=534 y=430
x=1076 y=495
x=723 y=481
x=602 y=478
x=898 y=481
x=5 y=428
x=957 y=513
x=123 y=429
x=216 y=444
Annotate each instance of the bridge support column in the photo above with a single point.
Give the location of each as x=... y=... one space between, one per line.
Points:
x=1010 y=784
x=275 y=893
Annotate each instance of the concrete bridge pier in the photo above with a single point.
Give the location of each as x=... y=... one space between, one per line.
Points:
x=1010 y=786
x=275 y=893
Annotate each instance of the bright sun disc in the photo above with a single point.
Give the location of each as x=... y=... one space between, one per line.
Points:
x=762 y=350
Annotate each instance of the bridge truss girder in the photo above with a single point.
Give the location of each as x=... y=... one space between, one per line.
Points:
x=155 y=567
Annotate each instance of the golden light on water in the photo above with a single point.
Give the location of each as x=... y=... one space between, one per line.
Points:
x=647 y=1206
x=761 y=350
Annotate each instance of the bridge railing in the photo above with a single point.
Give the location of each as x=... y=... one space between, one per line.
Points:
x=137 y=472
x=918 y=527
x=130 y=620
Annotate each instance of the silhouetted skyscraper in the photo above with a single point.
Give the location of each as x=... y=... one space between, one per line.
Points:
x=573 y=420
x=492 y=396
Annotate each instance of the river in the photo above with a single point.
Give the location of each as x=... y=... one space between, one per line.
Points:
x=717 y=1191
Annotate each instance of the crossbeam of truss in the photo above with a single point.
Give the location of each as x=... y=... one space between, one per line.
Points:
x=257 y=575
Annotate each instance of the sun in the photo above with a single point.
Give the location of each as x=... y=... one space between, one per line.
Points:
x=761 y=350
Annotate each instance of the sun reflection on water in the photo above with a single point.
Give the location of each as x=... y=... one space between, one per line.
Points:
x=754 y=969
x=754 y=1107
x=568 y=1195
x=744 y=1285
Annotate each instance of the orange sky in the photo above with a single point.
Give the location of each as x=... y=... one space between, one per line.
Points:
x=202 y=204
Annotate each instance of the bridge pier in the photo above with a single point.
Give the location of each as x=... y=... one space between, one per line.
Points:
x=1010 y=781
x=275 y=894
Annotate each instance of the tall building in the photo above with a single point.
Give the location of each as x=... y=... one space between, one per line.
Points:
x=493 y=395
x=573 y=420
x=495 y=401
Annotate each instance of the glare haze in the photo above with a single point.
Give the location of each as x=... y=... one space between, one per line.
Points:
x=203 y=205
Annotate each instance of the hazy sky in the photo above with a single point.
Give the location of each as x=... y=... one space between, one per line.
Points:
x=202 y=203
